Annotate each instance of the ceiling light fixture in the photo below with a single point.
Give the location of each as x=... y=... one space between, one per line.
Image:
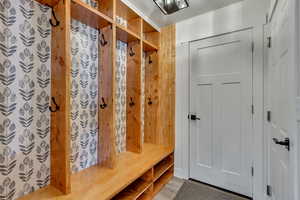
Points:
x=170 y=6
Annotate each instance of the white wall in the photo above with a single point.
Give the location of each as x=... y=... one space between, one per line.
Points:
x=242 y=15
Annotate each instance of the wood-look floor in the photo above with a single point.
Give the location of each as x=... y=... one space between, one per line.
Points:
x=170 y=190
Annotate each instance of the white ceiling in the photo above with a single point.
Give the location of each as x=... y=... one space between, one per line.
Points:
x=149 y=9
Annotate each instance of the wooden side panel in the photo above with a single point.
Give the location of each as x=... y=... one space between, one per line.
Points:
x=107 y=150
x=151 y=97
x=133 y=93
x=166 y=113
x=60 y=89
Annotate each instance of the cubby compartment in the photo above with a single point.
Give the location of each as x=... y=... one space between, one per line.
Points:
x=147 y=195
x=90 y=15
x=163 y=166
x=163 y=180
x=150 y=37
x=127 y=19
x=92 y=78
x=137 y=188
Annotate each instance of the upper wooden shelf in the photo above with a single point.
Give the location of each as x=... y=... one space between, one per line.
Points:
x=148 y=28
x=89 y=15
x=126 y=35
x=148 y=46
x=103 y=183
x=150 y=37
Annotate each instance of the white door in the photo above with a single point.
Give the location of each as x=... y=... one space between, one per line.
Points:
x=221 y=111
x=280 y=97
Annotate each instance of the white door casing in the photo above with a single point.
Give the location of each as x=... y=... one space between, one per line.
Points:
x=280 y=99
x=221 y=98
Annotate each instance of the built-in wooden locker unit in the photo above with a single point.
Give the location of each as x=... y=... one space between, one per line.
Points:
x=148 y=162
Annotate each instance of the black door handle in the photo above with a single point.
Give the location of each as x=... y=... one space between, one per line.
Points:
x=285 y=142
x=194 y=117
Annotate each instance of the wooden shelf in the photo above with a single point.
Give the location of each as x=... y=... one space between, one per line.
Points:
x=134 y=21
x=150 y=36
x=134 y=190
x=89 y=15
x=162 y=167
x=103 y=183
x=148 y=46
x=48 y=2
x=163 y=180
x=148 y=28
x=126 y=35
x=147 y=195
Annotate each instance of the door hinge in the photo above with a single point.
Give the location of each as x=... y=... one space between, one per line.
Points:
x=269 y=42
x=269 y=190
x=252 y=109
x=252 y=171
x=252 y=46
x=269 y=118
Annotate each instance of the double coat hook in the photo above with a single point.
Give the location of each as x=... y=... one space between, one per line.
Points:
x=103 y=42
x=131 y=52
x=150 y=101
x=56 y=106
x=103 y=105
x=150 y=61
x=131 y=103
x=57 y=22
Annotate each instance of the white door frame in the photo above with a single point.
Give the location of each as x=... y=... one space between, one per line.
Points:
x=295 y=61
x=255 y=103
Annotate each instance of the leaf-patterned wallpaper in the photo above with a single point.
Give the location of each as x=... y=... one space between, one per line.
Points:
x=84 y=96
x=121 y=96
x=25 y=64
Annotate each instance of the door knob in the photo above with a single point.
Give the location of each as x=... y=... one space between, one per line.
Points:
x=285 y=142
x=194 y=117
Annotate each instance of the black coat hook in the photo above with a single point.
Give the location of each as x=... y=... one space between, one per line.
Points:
x=150 y=61
x=131 y=52
x=103 y=105
x=131 y=103
x=56 y=106
x=103 y=42
x=150 y=101
x=57 y=22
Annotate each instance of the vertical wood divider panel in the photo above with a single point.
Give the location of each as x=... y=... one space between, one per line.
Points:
x=133 y=93
x=60 y=89
x=151 y=94
x=166 y=113
x=107 y=150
